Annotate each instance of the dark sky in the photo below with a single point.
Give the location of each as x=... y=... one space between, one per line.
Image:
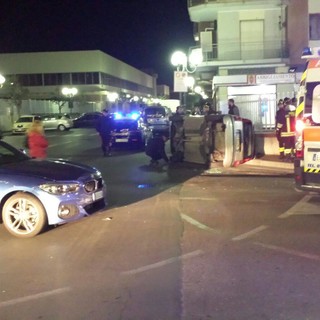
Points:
x=142 y=33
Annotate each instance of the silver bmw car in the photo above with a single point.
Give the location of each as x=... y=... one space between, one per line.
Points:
x=37 y=193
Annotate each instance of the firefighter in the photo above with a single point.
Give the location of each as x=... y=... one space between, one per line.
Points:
x=285 y=129
x=280 y=123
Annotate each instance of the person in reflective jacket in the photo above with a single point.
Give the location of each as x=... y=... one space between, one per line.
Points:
x=155 y=149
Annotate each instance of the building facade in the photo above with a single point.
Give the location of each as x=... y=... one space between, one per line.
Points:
x=99 y=79
x=252 y=51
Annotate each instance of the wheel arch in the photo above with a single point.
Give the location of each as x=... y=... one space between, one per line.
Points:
x=10 y=194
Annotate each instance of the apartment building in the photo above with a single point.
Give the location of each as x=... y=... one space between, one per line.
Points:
x=252 y=51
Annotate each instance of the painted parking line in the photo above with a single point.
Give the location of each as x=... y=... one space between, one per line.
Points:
x=298 y=208
x=34 y=297
x=59 y=144
x=163 y=263
x=197 y=223
x=296 y=253
x=249 y=233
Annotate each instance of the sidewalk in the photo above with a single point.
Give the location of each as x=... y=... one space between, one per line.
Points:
x=267 y=165
x=271 y=161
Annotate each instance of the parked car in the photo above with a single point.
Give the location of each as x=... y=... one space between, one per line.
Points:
x=36 y=193
x=156 y=118
x=129 y=131
x=87 y=120
x=61 y=122
x=23 y=123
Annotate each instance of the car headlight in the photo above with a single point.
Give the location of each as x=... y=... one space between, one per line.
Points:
x=60 y=188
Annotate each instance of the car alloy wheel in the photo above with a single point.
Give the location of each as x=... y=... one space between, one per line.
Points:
x=23 y=215
x=61 y=127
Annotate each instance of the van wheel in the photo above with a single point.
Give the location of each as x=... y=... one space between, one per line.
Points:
x=61 y=127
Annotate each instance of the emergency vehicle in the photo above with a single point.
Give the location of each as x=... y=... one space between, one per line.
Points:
x=307 y=155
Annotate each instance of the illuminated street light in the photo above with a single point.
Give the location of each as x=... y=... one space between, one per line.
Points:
x=180 y=60
x=69 y=93
x=190 y=82
x=2 y=80
x=113 y=96
x=198 y=89
x=184 y=66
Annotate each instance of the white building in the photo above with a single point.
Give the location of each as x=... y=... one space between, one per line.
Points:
x=99 y=79
x=252 y=51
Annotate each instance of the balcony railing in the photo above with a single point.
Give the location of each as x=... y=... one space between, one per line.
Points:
x=192 y=3
x=235 y=50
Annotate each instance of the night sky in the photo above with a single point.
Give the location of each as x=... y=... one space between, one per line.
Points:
x=142 y=33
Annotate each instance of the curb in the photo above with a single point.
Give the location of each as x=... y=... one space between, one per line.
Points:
x=270 y=164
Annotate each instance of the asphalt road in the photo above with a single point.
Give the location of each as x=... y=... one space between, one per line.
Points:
x=175 y=243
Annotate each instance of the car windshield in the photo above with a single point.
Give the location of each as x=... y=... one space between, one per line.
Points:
x=25 y=119
x=155 y=112
x=9 y=154
x=123 y=124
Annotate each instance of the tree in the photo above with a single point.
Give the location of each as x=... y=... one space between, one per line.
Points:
x=15 y=92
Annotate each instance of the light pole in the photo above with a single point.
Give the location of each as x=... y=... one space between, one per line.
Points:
x=69 y=93
x=2 y=80
x=185 y=65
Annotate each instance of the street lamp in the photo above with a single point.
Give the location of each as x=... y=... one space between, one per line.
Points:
x=180 y=60
x=69 y=93
x=185 y=65
x=2 y=80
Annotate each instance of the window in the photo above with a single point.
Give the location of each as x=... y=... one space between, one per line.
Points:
x=314 y=26
x=78 y=78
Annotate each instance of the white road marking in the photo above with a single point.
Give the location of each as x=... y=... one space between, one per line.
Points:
x=59 y=144
x=289 y=251
x=197 y=198
x=299 y=207
x=197 y=223
x=163 y=263
x=250 y=233
x=34 y=297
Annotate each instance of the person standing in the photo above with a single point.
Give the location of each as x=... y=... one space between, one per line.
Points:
x=104 y=128
x=36 y=140
x=155 y=149
x=233 y=109
x=280 y=128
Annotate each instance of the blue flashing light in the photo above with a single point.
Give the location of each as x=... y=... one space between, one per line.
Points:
x=134 y=116
x=118 y=116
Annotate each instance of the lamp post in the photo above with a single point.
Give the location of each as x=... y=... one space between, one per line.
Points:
x=2 y=80
x=185 y=65
x=69 y=93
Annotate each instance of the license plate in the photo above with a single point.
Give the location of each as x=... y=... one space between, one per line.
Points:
x=97 y=195
x=122 y=140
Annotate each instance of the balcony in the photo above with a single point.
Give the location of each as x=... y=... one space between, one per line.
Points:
x=193 y=3
x=235 y=52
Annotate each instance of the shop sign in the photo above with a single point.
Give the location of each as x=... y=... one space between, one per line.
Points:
x=275 y=78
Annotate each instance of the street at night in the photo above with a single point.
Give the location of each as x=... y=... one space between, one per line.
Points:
x=173 y=243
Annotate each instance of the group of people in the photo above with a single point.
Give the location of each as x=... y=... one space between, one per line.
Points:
x=285 y=127
x=37 y=142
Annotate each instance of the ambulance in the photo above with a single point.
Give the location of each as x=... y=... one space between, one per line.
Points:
x=307 y=155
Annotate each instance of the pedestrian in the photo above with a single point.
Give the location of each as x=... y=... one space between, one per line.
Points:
x=207 y=109
x=37 y=141
x=155 y=149
x=233 y=109
x=177 y=135
x=104 y=128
